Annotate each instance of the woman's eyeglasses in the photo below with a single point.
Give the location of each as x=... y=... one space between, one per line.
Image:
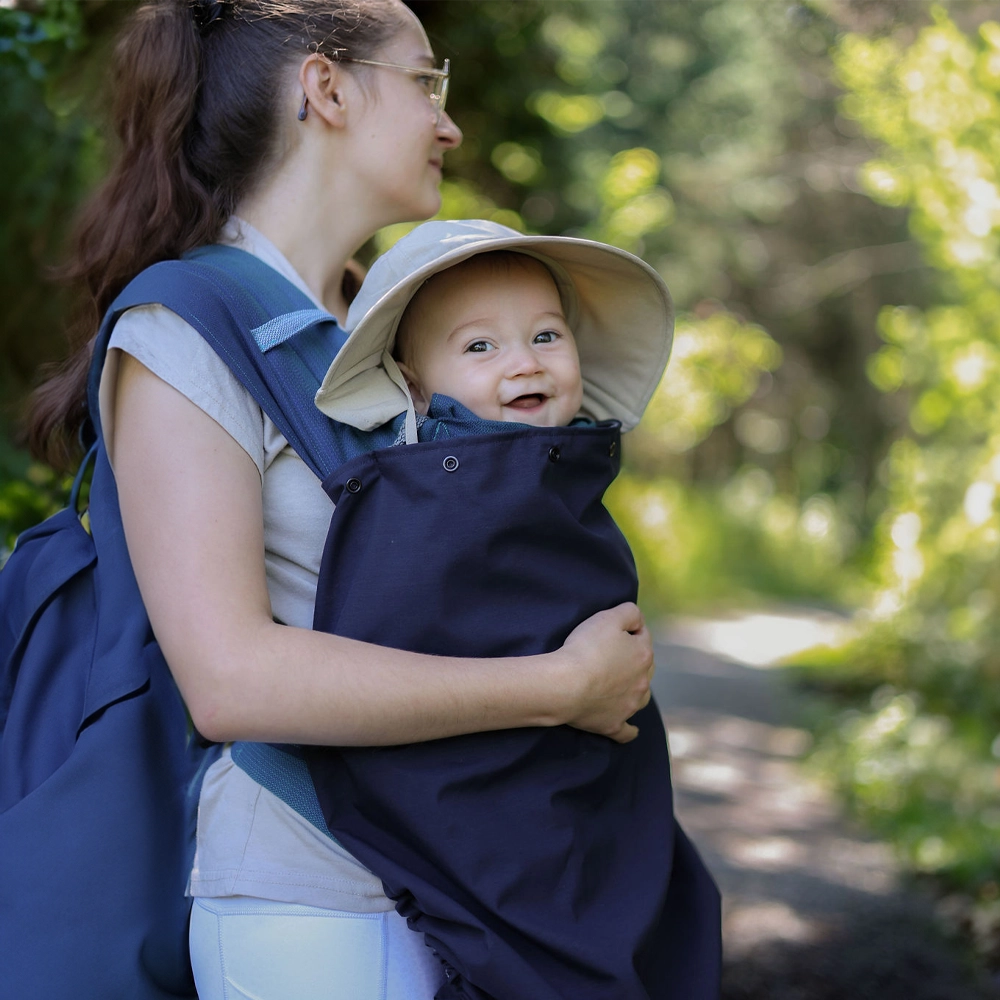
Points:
x=435 y=81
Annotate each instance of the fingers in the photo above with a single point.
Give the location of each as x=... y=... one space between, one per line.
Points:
x=626 y=733
x=615 y=649
x=630 y=617
x=643 y=634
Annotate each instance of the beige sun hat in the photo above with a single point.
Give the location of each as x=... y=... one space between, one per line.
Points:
x=618 y=307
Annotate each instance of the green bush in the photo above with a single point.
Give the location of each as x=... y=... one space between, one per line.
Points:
x=29 y=492
x=916 y=749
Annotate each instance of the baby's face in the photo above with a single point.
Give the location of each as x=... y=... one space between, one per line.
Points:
x=494 y=337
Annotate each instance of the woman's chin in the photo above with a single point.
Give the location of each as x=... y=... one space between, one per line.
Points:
x=416 y=213
x=433 y=205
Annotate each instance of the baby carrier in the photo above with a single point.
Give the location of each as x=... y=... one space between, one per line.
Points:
x=538 y=863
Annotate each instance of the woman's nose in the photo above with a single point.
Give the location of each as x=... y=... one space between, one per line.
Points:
x=449 y=134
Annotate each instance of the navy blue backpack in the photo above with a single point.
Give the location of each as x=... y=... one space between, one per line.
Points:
x=100 y=770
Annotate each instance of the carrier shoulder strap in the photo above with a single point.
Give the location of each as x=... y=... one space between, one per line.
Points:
x=268 y=332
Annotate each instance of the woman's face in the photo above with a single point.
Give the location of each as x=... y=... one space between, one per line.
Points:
x=402 y=148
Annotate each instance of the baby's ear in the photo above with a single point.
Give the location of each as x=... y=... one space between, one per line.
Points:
x=420 y=402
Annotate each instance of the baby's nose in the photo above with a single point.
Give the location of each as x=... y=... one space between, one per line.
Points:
x=522 y=360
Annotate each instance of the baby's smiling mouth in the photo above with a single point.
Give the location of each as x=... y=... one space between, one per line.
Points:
x=527 y=402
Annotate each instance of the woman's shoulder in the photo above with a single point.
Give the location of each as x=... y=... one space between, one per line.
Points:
x=177 y=354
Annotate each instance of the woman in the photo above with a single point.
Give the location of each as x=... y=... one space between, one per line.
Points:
x=293 y=130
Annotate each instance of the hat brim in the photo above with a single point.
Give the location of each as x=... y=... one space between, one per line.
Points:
x=623 y=326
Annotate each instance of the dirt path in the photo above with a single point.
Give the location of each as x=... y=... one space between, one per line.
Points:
x=812 y=909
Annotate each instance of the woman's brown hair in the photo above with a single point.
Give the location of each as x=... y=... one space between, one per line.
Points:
x=196 y=89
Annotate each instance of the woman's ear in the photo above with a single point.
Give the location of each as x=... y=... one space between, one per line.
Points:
x=323 y=89
x=420 y=401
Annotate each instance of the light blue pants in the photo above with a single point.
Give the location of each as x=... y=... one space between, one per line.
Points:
x=244 y=948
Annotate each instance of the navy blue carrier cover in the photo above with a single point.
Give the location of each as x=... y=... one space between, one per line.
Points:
x=540 y=863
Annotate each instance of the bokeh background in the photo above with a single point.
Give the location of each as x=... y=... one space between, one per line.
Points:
x=819 y=183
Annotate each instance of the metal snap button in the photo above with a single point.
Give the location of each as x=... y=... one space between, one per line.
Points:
x=613 y=450
x=450 y=464
x=353 y=485
x=553 y=454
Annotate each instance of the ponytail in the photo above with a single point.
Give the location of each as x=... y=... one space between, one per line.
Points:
x=195 y=87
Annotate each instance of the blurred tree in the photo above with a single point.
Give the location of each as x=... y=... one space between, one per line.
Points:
x=935 y=109
x=52 y=56
x=921 y=761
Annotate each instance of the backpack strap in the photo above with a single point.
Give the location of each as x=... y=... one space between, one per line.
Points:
x=268 y=332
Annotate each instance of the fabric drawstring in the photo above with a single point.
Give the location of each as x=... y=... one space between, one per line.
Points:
x=392 y=370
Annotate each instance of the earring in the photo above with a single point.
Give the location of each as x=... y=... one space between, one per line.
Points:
x=302 y=110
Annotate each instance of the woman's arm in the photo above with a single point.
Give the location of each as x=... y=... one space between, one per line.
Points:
x=191 y=505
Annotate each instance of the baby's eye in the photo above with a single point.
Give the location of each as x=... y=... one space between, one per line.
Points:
x=479 y=347
x=546 y=337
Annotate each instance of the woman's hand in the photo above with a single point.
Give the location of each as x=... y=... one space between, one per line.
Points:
x=610 y=656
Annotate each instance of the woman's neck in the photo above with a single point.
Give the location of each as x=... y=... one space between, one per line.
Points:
x=314 y=226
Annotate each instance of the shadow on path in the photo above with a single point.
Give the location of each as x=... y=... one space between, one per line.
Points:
x=812 y=909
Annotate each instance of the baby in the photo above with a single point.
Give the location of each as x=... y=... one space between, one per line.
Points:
x=605 y=325
x=537 y=862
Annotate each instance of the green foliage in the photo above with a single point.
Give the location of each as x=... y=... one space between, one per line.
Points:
x=29 y=492
x=645 y=124
x=918 y=771
x=924 y=779
x=918 y=761
x=38 y=39
x=940 y=535
x=715 y=366
x=696 y=545
x=52 y=153
x=732 y=545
